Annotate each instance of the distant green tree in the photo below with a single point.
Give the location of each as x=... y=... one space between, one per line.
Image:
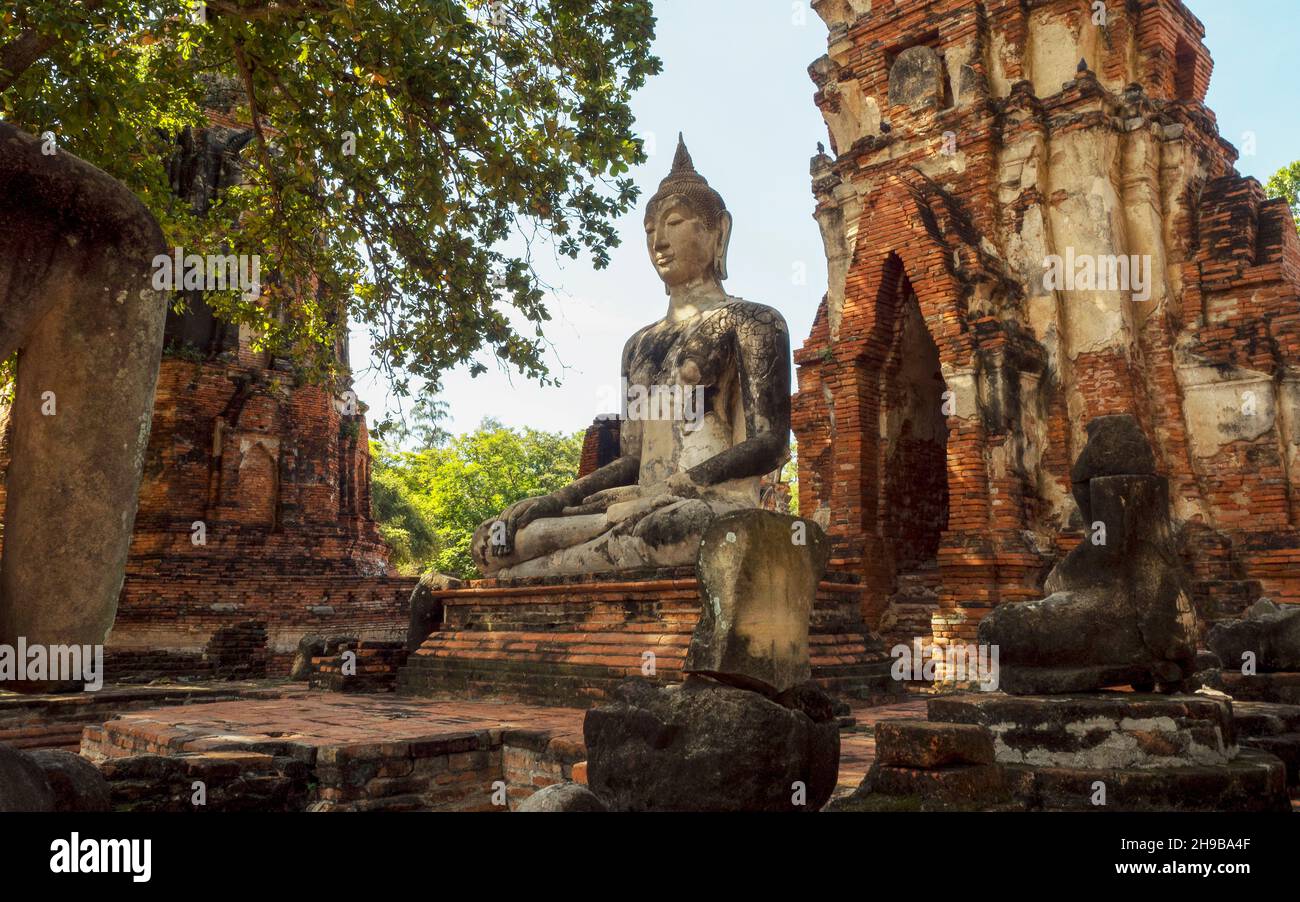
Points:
x=1285 y=184
x=418 y=429
x=404 y=520
x=790 y=476
x=455 y=487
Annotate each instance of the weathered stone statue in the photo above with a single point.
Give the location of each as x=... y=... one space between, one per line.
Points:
x=1257 y=659
x=758 y=574
x=77 y=306
x=708 y=390
x=1118 y=609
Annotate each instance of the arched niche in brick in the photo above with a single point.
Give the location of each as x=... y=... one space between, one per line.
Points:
x=913 y=270
x=912 y=267
x=258 y=491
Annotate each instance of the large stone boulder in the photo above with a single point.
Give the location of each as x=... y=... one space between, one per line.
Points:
x=23 y=786
x=704 y=746
x=563 y=797
x=758 y=573
x=1268 y=631
x=76 y=783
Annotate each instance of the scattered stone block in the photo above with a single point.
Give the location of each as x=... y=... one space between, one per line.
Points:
x=960 y=786
x=1098 y=731
x=928 y=746
x=1279 y=688
x=1252 y=782
x=1269 y=633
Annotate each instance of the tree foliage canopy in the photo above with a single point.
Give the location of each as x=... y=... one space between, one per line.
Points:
x=1285 y=184
x=429 y=502
x=407 y=152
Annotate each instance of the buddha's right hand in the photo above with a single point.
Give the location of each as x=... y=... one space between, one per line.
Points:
x=520 y=514
x=600 y=501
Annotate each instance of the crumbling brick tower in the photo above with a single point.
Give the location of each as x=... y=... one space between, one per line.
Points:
x=256 y=485
x=276 y=471
x=944 y=390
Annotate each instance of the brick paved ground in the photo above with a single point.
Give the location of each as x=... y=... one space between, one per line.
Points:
x=329 y=719
x=326 y=720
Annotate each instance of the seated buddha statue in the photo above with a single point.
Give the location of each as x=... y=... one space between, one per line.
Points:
x=680 y=464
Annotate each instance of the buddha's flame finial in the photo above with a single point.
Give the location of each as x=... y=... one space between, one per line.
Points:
x=682 y=159
x=684 y=182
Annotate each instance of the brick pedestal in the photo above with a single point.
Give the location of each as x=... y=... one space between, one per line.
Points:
x=572 y=640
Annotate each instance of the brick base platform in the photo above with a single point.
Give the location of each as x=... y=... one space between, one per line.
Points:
x=333 y=752
x=57 y=721
x=163 y=623
x=572 y=640
x=370 y=752
x=990 y=751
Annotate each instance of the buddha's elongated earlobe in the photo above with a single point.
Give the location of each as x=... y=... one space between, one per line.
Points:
x=724 y=239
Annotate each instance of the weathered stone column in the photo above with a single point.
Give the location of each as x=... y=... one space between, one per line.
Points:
x=76 y=303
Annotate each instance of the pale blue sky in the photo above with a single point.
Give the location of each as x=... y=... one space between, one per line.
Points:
x=735 y=82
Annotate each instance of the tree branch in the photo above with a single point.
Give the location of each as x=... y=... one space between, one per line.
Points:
x=275 y=10
x=18 y=55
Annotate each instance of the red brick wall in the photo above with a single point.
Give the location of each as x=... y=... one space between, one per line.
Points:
x=1232 y=261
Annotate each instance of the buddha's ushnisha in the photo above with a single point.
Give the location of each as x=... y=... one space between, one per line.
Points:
x=681 y=467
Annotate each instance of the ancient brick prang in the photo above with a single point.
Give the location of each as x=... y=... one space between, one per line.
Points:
x=1031 y=220
x=247 y=471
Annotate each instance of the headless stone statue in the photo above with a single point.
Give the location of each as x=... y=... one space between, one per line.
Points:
x=1119 y=610
x=708 y=414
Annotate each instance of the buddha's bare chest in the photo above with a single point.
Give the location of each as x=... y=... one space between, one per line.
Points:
x=697 y=353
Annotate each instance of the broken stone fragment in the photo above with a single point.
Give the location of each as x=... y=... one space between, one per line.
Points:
x=427 y=608
x=703 y=746
x=926 y=745
x=308 y=647
x=563 y=797
x=758 y=573
x=1268 y=631
x=77 y=785
x=23 y=786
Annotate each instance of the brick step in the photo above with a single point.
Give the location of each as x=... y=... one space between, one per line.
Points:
x=501 y=664
x=55 y=736
x=625 y=651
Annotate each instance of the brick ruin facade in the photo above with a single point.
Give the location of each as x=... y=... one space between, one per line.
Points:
x=944 y=390
x=254 y=507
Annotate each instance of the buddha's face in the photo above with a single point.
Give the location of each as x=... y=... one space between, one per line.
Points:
x=681 y=247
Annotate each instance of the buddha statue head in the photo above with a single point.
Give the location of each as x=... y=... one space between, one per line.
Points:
x=687 y=226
